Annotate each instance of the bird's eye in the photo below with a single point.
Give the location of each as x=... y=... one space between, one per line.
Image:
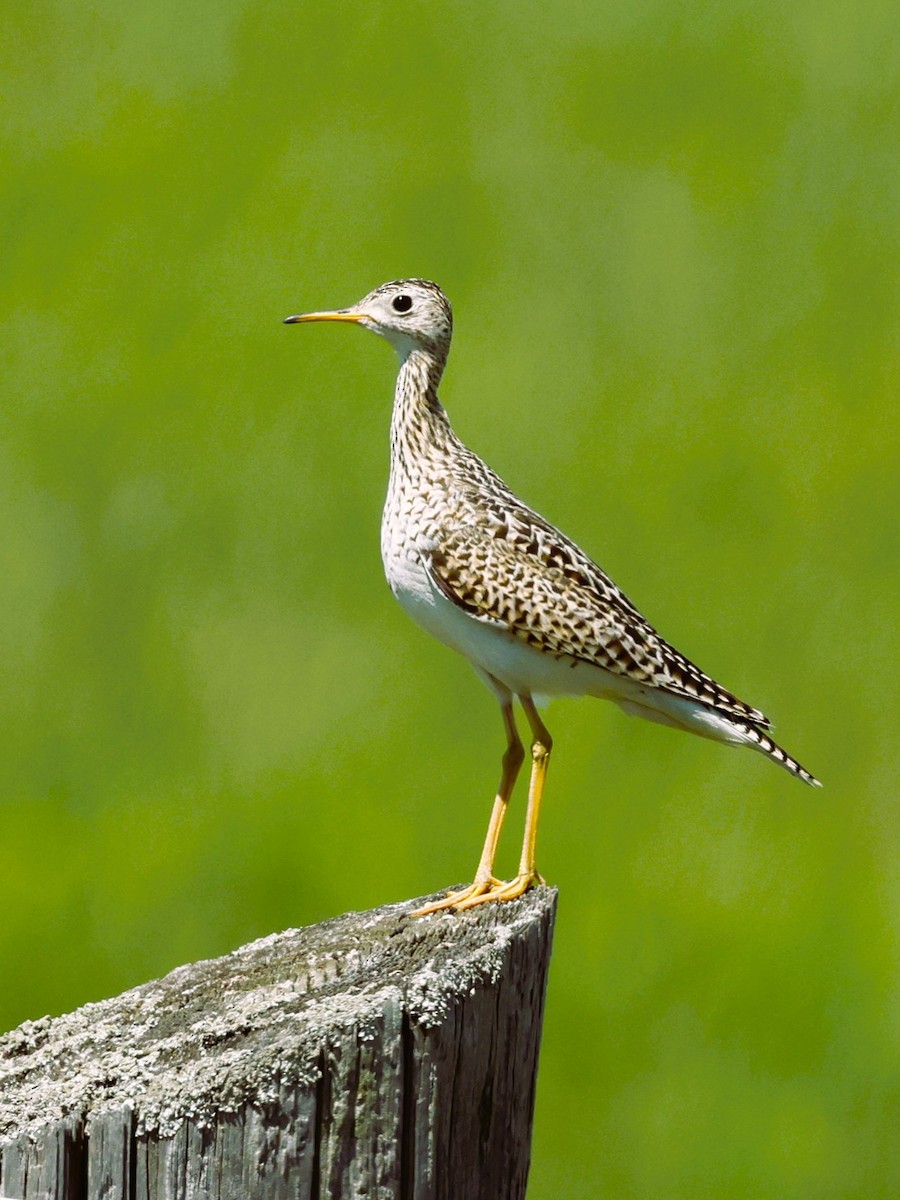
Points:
x=401 y=304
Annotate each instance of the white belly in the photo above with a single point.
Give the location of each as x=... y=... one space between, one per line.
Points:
x=490 y=648
x=526 y=671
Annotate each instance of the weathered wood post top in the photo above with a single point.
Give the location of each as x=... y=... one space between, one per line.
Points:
x=371 y=1055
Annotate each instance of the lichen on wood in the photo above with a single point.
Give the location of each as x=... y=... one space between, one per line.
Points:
x=373 y=1054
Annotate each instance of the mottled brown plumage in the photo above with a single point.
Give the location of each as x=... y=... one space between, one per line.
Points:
x=490 y=577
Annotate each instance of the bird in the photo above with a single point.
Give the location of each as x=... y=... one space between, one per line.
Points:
x=492 y=579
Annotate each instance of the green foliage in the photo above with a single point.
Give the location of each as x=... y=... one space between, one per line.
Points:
x=670 y=234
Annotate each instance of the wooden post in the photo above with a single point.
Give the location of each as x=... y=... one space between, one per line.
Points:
x=374 y=1055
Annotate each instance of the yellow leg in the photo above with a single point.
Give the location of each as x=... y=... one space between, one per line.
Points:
x=484 y=877
x=540 y=754
x=528 y=874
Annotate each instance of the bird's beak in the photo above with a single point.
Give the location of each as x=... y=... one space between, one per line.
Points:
x=339 y=314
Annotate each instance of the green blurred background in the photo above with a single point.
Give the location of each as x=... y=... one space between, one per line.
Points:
x=669 y=231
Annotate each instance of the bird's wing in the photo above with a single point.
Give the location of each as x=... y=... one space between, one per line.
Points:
x=561 y=610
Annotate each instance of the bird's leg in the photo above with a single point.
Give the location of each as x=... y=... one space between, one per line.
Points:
x=540 y=755
x=484 y=881
x=528 y=875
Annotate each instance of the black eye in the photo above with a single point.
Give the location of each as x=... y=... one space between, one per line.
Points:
x=401 y=304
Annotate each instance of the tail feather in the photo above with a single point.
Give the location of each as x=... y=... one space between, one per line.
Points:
x=708 y=721
x=760 y=740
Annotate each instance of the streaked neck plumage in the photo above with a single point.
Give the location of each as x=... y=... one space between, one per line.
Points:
x=419 y=424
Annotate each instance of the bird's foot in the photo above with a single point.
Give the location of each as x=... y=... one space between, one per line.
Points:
x=482 y=891
x=502 y=891
x=454 y=899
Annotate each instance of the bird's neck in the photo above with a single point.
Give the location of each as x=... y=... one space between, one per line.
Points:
x=419 y=423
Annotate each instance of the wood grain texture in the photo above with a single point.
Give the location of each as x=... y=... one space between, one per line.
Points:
x=373 y=1055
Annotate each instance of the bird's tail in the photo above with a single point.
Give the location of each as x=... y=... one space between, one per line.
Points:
x=760 y=740
x=669 y=708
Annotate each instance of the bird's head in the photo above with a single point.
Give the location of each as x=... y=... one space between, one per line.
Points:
x=410 y=313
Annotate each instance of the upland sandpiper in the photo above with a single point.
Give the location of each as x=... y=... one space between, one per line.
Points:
x=492 y=579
